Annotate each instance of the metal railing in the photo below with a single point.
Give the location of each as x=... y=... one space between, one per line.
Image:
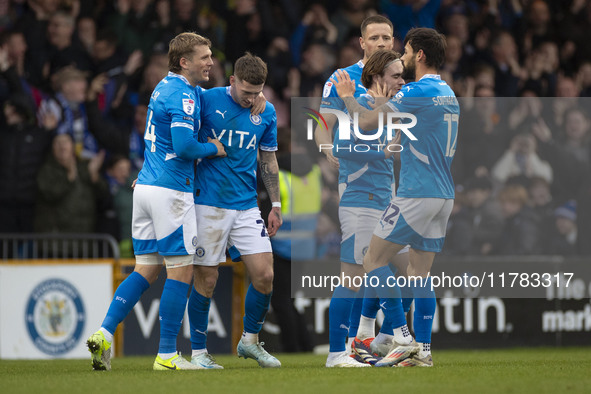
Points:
x=58 y=245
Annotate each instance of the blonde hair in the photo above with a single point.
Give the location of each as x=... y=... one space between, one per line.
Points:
x=66 y=74
x=181 y=46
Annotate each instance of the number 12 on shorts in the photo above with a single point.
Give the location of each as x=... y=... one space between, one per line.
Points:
x=390 y=213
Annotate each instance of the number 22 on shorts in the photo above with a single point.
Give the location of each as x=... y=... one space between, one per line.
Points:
x=390 y=213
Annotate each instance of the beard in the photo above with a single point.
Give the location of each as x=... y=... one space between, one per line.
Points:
x=409 y=73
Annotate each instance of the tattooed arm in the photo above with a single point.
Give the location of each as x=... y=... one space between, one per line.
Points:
x=270 y=176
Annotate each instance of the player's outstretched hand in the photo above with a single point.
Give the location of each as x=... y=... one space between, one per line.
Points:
x=275 y=221
x=343 y=83
x=260 y=102
x=218 y=144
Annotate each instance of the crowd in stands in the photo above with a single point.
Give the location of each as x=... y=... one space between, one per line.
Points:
x=76 y=77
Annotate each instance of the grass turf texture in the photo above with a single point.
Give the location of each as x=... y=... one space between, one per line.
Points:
x=538 y=370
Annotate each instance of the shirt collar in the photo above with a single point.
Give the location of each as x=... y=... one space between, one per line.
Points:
x=181 y=77
x=433 y=76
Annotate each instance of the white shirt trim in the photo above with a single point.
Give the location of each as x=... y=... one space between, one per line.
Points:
x=182 y=124
x=179 y=76
x=433 y=76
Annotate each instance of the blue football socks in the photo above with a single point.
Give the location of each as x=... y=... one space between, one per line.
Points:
x=339 y=318
x=172 y=309
x=356 y=312
x=256 y=306
x=425 y=305
x=198 y=311
x=389 y=294
x=127 y=295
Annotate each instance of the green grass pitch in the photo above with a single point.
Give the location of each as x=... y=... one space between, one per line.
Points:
x=537 y=370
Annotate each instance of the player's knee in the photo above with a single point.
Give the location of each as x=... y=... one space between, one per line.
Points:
x=264 y=281
x=148 y=266
x=210 y=281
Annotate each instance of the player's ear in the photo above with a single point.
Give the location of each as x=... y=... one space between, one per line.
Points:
x=183 y=62
x=421 y=55
x=362 y=43
x=232 y=80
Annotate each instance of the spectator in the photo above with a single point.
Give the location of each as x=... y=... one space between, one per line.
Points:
x=119 y=178
x=315 y=27
x=543 y=206
x=317 y=58
x=583 y=79
x=569 y=158
x=506 y=65
x=69 y=190
x=480 y=222
x=577 y=141
x=348 y=18
x=583 y=198
x=86 y=31
x=454 y=66
x=105 y=56
x=541 y=68
x=521 y=159
x=68 y=107
x=138 y=25
x=564 y=235
x=137 y=143
x=63 y=50
x=536 y=27
x=520 y=233
x=247 y=32
x=483 y=136
x=23 y=149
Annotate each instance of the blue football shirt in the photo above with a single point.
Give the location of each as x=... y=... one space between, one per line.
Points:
x=230 y=182
x=330 y=98
x=367 y=176
x=426 y=163
x=173 y=104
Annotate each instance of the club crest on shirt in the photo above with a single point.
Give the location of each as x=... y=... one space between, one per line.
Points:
x=188 y=106
x=255 y=119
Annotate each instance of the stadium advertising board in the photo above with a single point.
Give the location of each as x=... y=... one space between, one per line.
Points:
x=475 y=323
x=46 y=310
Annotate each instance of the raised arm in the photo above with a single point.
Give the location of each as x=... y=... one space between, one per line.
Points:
x=324 y=139
x=270 y=177
x=368 y=119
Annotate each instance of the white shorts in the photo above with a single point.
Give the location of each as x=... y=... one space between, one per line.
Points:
x=242 y=232
x=418 y=222
x=163 y=221
x=357 y=227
